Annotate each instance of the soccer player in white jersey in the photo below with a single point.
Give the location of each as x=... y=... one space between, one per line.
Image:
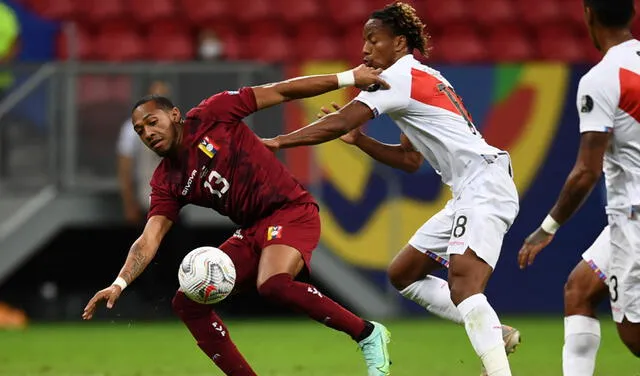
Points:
x=467 y=234
x=609 y=108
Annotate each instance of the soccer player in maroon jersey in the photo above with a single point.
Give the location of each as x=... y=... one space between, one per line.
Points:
x=212 y=159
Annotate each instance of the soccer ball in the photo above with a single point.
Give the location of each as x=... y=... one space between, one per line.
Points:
x=207 y=275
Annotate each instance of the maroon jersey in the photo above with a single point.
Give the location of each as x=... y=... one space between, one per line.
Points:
x=224 y=166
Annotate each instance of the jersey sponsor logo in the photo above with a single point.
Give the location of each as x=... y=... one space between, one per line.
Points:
x=208 y=147
x=586 y=104
x=274 y=232
x=238 y=234
x=187 y=187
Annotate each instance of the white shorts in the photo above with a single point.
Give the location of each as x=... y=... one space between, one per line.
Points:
x=624 y=268
x=477 y=217
x=599 y=254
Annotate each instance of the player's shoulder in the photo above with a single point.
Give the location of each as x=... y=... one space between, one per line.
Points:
x=601 y=75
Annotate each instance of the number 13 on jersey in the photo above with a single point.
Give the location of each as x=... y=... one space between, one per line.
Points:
x=216 y=184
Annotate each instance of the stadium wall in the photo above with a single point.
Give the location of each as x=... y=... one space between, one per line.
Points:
x=370 y=210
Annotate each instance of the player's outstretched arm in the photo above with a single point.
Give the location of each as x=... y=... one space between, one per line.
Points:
x=402 y=156
x=579 y=184
x=328 y=128
x=140 y=255
x=310 y=86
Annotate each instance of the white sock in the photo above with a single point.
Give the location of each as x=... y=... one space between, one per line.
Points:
x=581 y=342
x=485 y=332
x=433 y=294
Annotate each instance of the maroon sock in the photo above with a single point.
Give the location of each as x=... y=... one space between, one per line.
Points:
x=212 y=336
x=306 y=298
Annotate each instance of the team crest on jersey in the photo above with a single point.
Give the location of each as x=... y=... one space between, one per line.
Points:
x=208 y=147
x=586 y=104
x=274 y=232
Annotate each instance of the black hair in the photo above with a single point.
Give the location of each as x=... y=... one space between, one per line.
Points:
x=612 y=13
x=402 y=19
x=161 y=102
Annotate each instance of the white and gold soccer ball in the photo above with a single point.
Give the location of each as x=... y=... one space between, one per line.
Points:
x=207 y=275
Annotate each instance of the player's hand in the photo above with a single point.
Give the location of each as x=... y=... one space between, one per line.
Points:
x=271 y=144
x=368 y=78
x=350 y=138
x=532 y=246
x=110 y=294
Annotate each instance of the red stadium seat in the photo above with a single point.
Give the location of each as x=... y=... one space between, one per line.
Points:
x=231 y=38
x=539 y=12
x=440 y=14
x=509 y=43
x=249 y=11
x=352 y=44
x=560 y=43
x=96 y=11
x=205 y=12
x=145 y=11
x=170 y=41
x=83 y=43
x=268 y=42
x=490 y=13
x=317 y=41
x=118 y=41
x=297 y=11
x=57 y=10
x=347 y=12
x=460 y=44
x=573 y=12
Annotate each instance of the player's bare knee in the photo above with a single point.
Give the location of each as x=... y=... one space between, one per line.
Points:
x=461 y=289
x=398 y=279
x=575 y=298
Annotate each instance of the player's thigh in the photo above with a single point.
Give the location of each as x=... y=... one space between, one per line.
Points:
x=624 y=278
x=584 y=290
x=241 y=248
x=288 y=239
x=411 y=265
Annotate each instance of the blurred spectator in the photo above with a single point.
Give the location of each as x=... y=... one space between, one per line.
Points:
x=9 y=42
x=209 y=46
x=136 y=164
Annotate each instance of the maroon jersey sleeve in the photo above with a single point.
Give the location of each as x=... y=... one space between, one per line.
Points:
x=230 y=106
x=162 y=201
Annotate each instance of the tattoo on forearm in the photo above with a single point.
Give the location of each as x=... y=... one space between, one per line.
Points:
x=135 y=264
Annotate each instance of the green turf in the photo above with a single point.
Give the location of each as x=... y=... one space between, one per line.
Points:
x=425 y=347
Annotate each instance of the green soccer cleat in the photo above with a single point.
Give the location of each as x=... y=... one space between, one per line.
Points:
x=511 y=338
x=374 y=349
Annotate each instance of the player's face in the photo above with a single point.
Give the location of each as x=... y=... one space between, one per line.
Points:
x=157 y=129
x=381 y=47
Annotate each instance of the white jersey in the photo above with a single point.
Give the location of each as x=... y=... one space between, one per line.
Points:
x=427 y=110
x=609 y=101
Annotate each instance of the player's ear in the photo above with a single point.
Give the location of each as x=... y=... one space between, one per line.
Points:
x=588 y=15
x=175 y=115
x=400 y=43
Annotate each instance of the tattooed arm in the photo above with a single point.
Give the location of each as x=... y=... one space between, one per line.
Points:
x=140 y=255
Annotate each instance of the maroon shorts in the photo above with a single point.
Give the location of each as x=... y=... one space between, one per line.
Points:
x=296 y=225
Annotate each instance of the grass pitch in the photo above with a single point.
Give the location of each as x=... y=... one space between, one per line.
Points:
x=284 y=348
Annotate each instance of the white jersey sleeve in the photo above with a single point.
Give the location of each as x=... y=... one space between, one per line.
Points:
x=394 y=99
x=127 y=140
x=598 y=98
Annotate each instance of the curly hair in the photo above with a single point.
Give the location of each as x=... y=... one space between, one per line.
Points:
x=612 y=13
x=402 y=19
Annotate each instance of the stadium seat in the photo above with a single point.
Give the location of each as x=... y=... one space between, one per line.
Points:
x=352 y=43
x=169 y=40
x=317 y=41
x=490 y=13
x=572 y=11
x=250 y=11
x=509 y=43
x=268 y=42
x=343 y=12
x=83 y=42
x=460 y=44
x=439 y=14
x=231 y=37
x=560 y=43
x=118 y=41
x=539 y=12
x=206 y=12
x=56 y=10
x=141 y=10
x=96 y=11
x=297 y=11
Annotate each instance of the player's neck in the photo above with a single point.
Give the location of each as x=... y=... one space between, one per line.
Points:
x=612 y=37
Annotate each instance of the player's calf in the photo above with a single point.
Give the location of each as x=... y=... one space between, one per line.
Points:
x=211 y=335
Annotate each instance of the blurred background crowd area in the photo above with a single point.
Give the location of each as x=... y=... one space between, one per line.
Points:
x=285 y=31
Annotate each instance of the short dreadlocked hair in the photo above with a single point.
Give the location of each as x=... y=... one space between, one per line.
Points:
x=402 y=19
x=612 y=13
